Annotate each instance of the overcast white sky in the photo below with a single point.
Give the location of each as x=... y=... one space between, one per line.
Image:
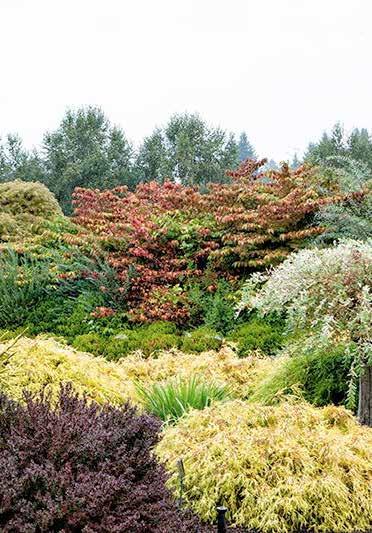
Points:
x=282 y=70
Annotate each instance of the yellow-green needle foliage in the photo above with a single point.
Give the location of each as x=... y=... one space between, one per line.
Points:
x=37 y=363
x=277 y=469
x=223 y=367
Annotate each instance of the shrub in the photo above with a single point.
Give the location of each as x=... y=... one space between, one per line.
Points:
x=201 y=340
x=277 y=469
x=172 y=399
x=80 y=467
x=318 y=288
x=320 y=374
x=257 y=335
x=223 y=367
x=45 y=363
x=21 y=197
x=22 y=285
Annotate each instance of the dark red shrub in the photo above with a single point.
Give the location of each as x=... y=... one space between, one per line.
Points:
x=81 y=467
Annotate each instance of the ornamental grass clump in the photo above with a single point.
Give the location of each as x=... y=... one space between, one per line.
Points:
x=74 y=466
x=280 y=469
x=172 y=399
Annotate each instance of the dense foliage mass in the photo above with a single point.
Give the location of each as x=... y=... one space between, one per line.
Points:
x=79 y=467
x=163 y=238
x=277 y=469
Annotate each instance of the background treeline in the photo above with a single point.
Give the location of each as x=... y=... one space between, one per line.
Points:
x=86 y=150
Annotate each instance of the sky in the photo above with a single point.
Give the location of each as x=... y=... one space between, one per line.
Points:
x=283 y=71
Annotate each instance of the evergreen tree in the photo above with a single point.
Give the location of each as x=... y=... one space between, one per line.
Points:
x=246 y=149
x=356 y=146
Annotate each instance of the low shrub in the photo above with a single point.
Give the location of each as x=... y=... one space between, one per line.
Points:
x=80 y=467
x=280 y=469
x=201 y=340
x=172 y=399
x=320 y=375
x=44 y=363
x=257 y=335
x=223 y=367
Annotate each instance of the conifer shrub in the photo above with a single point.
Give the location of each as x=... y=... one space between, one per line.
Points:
x=74 y=466
x=291 y=467
x=45 y=363
x=223 y=367
x=22 y=197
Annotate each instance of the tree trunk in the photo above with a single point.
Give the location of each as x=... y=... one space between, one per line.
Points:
x=365 y=396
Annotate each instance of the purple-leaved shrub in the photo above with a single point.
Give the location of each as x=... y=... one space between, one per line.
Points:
x=74 y=466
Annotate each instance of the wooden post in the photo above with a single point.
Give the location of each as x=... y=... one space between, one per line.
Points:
x=365 y=396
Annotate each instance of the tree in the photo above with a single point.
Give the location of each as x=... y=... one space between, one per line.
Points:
x=357 y=146
x=18 y=163
x=246 y=150
x=86 y=151
x=188 y=151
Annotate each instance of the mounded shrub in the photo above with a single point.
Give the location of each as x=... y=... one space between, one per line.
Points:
x=38 y=363
x=22 y=197
x=281 y=469
x=201 y=340
x=257 y=335
x=222 y=367
x=80 y=467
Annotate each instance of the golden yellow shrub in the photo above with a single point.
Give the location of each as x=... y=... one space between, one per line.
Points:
x=20 y=197
x=277 y=469
x=222 y=367
x=43 y=362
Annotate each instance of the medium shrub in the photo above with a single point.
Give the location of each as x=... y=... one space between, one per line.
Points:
x=80 y=467
x=21 y=197
x=172 y=399
x=278 y=469
x=23 y=282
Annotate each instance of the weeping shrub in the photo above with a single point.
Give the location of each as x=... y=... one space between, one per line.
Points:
x=278 y=469
x=172 y=399
x=80 y=467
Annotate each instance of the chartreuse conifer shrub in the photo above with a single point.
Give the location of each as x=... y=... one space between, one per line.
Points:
x=281 y=469
x=70 y=465
x=44 y=363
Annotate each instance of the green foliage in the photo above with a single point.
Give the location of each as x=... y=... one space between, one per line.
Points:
x=357 y=146
x=17 y=163
x=258 y=335
x=187 y=149
x=22 y=285
x=201 y=340
x=172 y=399
x=86 y=151
x=320 y=374
x=246 y=150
